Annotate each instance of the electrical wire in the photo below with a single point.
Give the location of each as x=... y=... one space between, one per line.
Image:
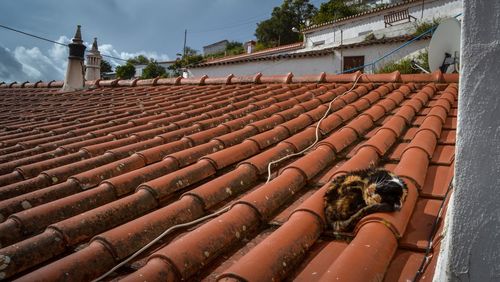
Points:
x=32 y=35
x=51 y=41
x=269 y=172
x=427 y=257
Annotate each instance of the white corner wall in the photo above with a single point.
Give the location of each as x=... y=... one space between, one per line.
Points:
x=331 y=63
x=471 y=249
x=352 y=28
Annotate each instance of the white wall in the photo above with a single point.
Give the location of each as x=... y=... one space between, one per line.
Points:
x=331 y=63
x=471 y=248
x=215 y=48
x=301 y=66
x=351 y=29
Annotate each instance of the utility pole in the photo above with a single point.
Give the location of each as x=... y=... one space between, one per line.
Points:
x=185 y=35
x=422 y=16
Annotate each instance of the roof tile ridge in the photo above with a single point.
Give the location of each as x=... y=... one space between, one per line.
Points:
x=240 y=220
x=308 y=208
x=123 y=160
x=302 y=236
x=130 y=120
x=396 y=222
x=265 y=51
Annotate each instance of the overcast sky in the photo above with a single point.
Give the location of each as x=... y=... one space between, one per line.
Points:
x=124 y=28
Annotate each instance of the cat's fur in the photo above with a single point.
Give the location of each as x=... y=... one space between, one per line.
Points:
x=352 y=196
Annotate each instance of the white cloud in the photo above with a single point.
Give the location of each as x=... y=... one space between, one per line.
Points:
x=38 y=66
x=10 y=68
x=59 y=53
x=33 y=64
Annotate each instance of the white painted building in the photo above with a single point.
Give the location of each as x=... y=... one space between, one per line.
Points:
x=215 y=48
x=355 y=29
x=342 y=44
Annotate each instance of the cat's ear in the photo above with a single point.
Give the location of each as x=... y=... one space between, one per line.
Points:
x=372 y=165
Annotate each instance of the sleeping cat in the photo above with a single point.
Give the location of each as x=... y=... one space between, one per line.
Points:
x=352 y=196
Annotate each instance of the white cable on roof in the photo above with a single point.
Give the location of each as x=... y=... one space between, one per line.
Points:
x=169 y=230
x=317 y=132
x=225 y=209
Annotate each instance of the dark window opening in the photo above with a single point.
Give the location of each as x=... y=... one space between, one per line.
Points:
x=353 y=62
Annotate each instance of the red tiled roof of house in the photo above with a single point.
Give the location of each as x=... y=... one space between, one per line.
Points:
x=257 y=54
x=89 y=177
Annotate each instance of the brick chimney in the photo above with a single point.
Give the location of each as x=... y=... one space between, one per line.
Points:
x=75 y=73
x=93 y=67
x=249 y=46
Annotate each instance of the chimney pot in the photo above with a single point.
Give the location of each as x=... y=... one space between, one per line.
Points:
x=75 y=71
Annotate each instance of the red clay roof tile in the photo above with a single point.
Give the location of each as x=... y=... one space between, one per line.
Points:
x=90 y=181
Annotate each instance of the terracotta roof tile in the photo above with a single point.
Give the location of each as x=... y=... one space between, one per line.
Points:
x=89 y=177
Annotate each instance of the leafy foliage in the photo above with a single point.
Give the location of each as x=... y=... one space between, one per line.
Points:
x=370 y=37
x=277 y=30
x=152 y=70
x=259 y=47
x=106 y=66
x=421 y=27
x=336 y=9
x=191 y=58
x=138 y=60
x=126 y=71
x=404 y=65
x=234 y=48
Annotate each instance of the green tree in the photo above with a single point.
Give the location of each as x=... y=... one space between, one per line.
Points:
x=234 y=48
x=336 y=9
x=106 y=66
x=126 y=71
x=277 y=30
x=191 y=58
x=139 y=60
x=152 y=70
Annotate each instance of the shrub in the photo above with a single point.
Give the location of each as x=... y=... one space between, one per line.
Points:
x=404 y=65
x=152 y=70
x=126 y=71
x=421 y=27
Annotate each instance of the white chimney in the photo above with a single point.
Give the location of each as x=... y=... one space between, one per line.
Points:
x=93 y=67
x=250 y=46
x=75 y=73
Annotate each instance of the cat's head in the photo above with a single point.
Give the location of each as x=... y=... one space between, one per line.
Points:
x=390 y=187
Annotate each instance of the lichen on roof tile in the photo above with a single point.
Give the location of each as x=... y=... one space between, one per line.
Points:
x=94 y=175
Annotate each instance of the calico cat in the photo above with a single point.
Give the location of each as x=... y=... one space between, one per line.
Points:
x=352 y=196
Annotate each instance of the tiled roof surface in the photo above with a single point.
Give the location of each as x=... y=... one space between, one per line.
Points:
x=89 y=177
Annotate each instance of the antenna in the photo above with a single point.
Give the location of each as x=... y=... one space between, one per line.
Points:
x=444 y=48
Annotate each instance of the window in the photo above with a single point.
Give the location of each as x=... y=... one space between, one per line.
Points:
x=353 y=62
x=318 y=43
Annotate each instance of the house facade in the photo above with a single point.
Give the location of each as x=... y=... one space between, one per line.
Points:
x=344 y=44
x=215 y=48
